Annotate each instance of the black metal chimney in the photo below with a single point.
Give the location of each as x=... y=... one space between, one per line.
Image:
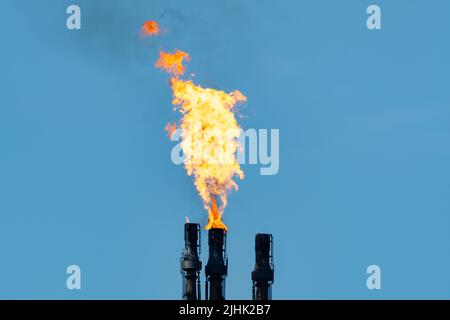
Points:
x=190 y=262
x=262 y=275
x=217 y=267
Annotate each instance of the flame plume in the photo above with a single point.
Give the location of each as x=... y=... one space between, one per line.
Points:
x=209 y=133
x=150 y=28
x=173 y=62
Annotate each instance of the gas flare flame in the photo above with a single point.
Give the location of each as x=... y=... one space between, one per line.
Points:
x=173 y=62
x=170 y=129
x=209 y=133
x=150 y=28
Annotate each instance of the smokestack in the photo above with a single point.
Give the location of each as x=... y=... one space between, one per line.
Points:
x=217 y=267
x=190 y=262
x=262 y=275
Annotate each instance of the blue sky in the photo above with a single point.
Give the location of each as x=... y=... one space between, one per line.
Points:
x=85 y=170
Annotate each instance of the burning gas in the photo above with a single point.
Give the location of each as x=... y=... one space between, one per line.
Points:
x=173 y=62
x=150 y=28
x=170 y=129
x=209 y=133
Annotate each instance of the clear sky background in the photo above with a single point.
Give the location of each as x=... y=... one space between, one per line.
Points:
x=364 y=118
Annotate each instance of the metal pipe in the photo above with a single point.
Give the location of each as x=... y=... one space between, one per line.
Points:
x=263 y=273
x=190 y=262
x=217 y=267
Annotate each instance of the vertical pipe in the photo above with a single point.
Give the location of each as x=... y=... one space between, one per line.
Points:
x=253 y=291
x=263 y=273
x=199 y=287
x=217 y=267
x=206 y=289
x=190 y=262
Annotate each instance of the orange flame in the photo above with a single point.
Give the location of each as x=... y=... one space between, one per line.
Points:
x=151 y=28
x=209 y=133
x=172 y=62
x=215 y=218
x=171 y=128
